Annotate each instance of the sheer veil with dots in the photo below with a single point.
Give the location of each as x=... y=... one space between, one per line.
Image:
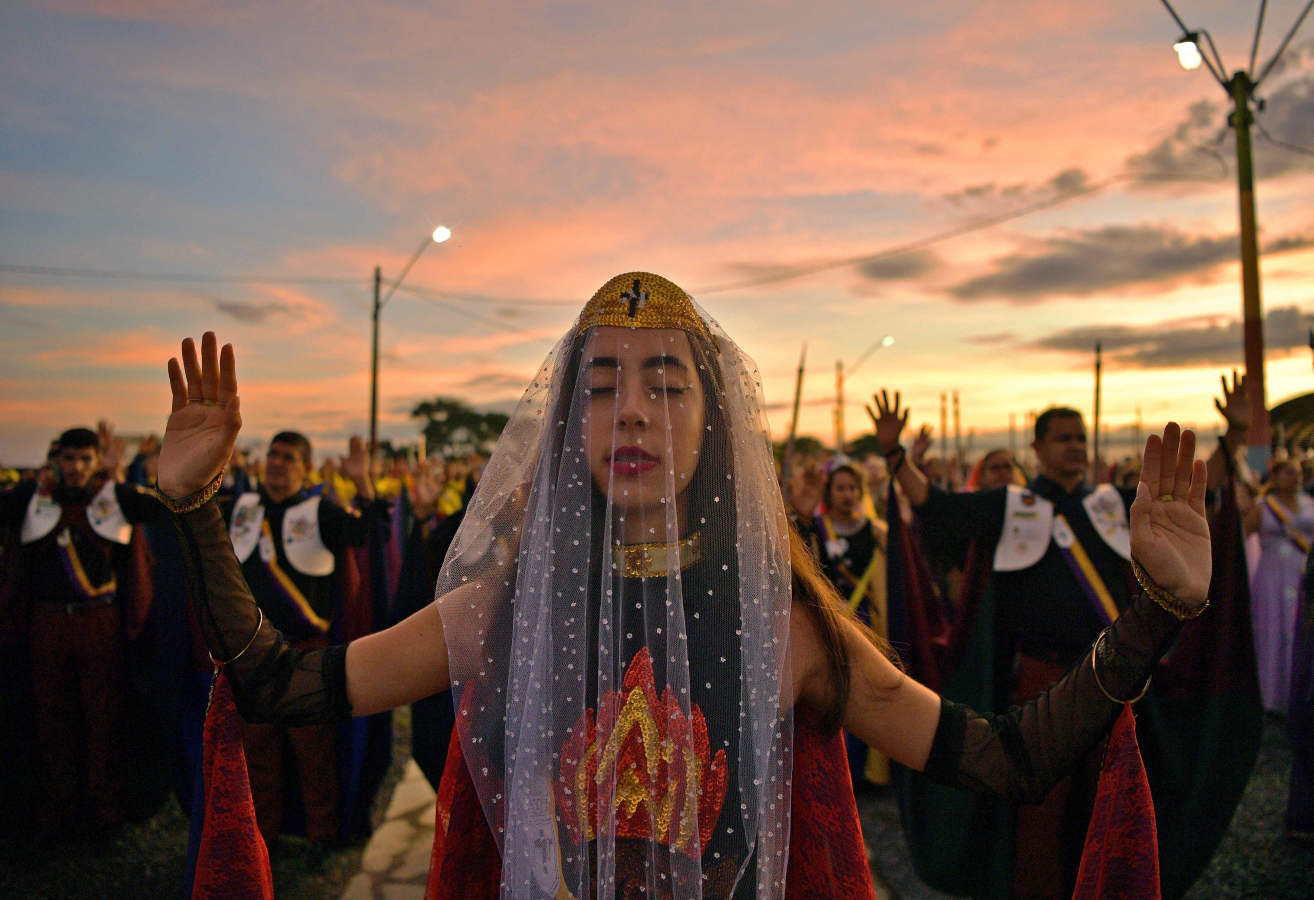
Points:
x=627 y=729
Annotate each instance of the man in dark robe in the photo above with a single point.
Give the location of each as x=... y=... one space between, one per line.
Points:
x=1048 y=569
x=80 y=589
x=287 y=537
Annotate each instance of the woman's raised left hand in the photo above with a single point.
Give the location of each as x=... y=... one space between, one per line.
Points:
x=205 y=419
x=1169 y=534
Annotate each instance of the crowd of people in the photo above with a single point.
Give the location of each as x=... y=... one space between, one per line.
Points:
x=550 y=666
x=106 y=680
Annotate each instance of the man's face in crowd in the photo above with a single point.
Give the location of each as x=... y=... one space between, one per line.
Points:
x=77 y=465
x=1061 y=453
x=285 y=470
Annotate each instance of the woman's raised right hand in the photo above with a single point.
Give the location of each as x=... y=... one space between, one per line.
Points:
x=202 y=429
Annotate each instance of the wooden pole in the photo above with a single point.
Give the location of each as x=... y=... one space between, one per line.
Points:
x=1097 y=463
x=1252 y=316
x=374 y=369
x=958 y=444
x=786 y=464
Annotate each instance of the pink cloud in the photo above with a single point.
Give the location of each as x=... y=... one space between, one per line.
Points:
x=144 y=347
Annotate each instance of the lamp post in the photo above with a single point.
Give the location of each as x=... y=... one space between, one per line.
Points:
x=1240 y=89
x=439 y=235
x=840 y=374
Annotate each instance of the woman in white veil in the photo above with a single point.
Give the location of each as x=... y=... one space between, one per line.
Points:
x=629 y=627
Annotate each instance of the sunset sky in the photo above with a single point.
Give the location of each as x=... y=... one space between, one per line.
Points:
x=995 y=185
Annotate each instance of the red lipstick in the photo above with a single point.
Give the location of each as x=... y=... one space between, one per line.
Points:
x=632 y=461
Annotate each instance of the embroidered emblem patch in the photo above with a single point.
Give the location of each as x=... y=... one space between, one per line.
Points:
x=652 y=758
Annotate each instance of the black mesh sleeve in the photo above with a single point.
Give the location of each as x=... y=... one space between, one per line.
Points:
x=1021 y=753
x=272 y=680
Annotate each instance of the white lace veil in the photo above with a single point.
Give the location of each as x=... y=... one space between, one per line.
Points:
x=620 y=710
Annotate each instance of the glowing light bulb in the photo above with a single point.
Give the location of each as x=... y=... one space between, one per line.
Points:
x=441 y=233
x=1188 y=53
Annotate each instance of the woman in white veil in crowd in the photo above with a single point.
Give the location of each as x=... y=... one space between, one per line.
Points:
x=649 y=672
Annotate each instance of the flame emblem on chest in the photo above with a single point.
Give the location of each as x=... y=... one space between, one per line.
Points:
x=645 y=758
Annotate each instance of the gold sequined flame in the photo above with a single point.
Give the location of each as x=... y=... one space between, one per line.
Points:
x=649 y=761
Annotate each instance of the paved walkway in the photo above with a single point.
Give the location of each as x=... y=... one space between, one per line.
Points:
x=396 y=859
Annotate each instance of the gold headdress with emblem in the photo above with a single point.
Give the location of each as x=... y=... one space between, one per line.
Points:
x=642 y=300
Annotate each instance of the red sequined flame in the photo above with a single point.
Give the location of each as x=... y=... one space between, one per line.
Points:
x=652 y=763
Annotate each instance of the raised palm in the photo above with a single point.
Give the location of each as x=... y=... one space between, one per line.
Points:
x=1234 y=407
x=1169 y=534
x=206 y=417
x=887 y=419
x=356 y=464
x=428 y=486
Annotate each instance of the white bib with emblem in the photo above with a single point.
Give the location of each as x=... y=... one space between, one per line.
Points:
x=1109 y=516
x=106 y=517
x=302 y=544
x=41 y=519
x=1028 y=524
x=244 y=528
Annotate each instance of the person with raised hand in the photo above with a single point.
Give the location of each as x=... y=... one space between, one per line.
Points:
x=289 y=538
x=648 y=670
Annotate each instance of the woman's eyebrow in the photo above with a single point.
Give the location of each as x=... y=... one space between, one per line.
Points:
x=609 y=362
x=664 y=359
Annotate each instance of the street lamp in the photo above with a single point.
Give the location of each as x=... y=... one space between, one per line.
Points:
x=439 y=235
x=1188 y=52
x=1241 y=90
x=840 y=375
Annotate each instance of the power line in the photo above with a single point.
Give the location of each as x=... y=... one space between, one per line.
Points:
x=478 y=317
x=486 y=298
x=976 y=225
x=1294 y=148
x=448 y=297
x=175 y=277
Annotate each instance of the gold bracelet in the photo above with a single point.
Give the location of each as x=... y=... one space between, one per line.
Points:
x=259 y=622
x=1163 y=598
x=192 y=501
x=1094 y=652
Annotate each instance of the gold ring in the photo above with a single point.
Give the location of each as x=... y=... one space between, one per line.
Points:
x=1166 y=498
x=211 y=403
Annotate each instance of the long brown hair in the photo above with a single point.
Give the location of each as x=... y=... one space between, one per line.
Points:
x=814 y=592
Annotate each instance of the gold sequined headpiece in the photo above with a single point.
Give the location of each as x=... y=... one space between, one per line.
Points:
x=642 y=300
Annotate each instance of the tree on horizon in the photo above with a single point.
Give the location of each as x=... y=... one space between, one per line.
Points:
x=452 y=427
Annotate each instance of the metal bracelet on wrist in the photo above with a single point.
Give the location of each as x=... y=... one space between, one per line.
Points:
x=1163 y=598
x=192 y=501
x=1094 y=654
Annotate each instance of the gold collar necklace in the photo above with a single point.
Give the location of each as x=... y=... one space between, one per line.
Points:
x=658 y=559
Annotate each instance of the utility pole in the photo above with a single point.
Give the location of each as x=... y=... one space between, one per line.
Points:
x=839 y=407
x=958 y=444
x=439 y=235
x=374 y=367
x=1252 y=317
x=1095 y=462
x=1241 y=90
